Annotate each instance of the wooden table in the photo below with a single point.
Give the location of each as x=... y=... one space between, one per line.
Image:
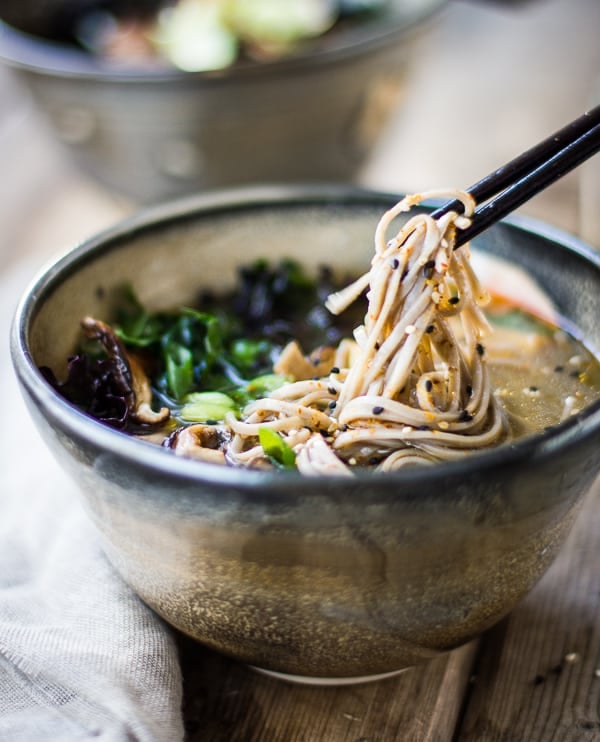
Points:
x=491 y=79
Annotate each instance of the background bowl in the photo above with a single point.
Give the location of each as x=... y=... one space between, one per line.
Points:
x=153 y=134
x=319 y=578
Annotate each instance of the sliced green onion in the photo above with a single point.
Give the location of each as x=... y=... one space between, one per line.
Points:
x=262 y=385
x=276 y=449
x=200 y=407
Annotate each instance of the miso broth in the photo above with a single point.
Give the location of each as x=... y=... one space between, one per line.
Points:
x=198 y=371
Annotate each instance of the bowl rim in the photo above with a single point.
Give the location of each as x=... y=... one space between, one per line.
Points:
x=539 y=447
x=33 y=54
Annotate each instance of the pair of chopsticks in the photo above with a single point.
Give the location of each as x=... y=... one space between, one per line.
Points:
x=522 y=178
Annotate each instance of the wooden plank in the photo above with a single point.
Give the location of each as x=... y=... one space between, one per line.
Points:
x=226 y=701
x=538 y=674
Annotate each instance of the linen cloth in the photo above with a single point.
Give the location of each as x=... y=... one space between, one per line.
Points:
x=81 y=656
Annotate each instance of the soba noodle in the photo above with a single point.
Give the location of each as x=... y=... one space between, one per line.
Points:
x=412 y=388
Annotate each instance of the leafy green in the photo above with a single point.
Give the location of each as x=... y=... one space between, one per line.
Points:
x=276 y=449
x=226 y=345
x=516 y=319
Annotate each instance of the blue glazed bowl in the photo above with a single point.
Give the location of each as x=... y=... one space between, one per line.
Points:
x=327 y=578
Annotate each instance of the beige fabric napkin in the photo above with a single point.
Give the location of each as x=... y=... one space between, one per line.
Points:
x=81 y=656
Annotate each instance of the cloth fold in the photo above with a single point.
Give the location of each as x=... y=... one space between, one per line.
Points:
x=81 y=657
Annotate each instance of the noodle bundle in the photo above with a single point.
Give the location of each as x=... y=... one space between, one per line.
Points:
x=412 y=387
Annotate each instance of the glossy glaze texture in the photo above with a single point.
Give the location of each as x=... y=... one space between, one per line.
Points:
x=323 y=578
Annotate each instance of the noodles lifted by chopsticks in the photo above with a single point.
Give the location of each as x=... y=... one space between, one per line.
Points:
x=412 y=387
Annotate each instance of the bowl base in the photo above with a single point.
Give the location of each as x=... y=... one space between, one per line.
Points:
x=308 y=680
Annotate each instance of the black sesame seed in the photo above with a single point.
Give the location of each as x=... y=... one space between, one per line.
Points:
x=395 y=263
x=480 y=349
x=377 y=410
x=559 y=369
x=344 y=428
x=423 y=427
x=334 y=370
x=465 y=416
x=404 y=274
x=428 y=268
x=377 y=346
x=332 y=405
x=533 y=389
x=332 y=390
x=430 y=329
x=211 y=422
x=428 y=385
x=454 y=300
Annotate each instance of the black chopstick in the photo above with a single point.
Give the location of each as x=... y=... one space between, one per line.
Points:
x=528 y=174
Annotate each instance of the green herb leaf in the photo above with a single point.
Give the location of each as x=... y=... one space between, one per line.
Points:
x=515 y=319
x=180 y=370
x=276 y=448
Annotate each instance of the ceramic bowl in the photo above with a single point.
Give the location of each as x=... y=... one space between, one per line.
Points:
x=157 y=133
x=320 y=578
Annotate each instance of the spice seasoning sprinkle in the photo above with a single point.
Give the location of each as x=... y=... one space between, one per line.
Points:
x=377 y=410
x=395 y=263
x=428 y=268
